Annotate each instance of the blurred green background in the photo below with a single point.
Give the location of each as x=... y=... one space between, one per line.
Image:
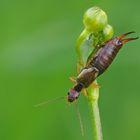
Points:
x=37 y=56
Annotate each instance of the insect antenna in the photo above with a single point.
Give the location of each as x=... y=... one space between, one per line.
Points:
x=79 y=118
x=50 y=101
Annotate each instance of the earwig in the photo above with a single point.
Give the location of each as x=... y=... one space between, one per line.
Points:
x=97 y=65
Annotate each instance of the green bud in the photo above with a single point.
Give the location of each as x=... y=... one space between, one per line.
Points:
x=95 y=19
x=107 y=32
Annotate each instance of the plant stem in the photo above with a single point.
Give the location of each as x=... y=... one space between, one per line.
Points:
x=93 y=96
x=80 y=40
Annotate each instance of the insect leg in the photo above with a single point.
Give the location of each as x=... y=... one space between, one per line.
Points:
x=84 y=91
x=73 y=79
x=95 y=85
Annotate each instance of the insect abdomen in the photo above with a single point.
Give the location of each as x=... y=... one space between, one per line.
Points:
x=105 y=56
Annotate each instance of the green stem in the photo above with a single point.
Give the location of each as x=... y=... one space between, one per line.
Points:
x=93 y=96
x=80 y=40
x=93 y=93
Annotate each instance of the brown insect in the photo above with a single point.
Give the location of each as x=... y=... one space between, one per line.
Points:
x=97 y=64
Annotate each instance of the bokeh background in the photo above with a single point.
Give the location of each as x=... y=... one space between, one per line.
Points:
x=37 y=56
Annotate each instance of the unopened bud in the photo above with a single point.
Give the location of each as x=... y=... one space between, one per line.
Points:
x=95 y=19
x=107 y=33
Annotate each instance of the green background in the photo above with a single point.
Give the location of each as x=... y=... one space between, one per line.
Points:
x=37 y=57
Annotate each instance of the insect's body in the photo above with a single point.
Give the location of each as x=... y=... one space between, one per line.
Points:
x=97 y=65
x=106 y=55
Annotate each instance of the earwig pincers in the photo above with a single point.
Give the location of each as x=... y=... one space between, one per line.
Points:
x=97 y=65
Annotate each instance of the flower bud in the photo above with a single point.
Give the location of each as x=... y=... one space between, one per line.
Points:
x=95 y=19
x=107 y=32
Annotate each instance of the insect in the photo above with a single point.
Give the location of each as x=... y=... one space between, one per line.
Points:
x=97 y=65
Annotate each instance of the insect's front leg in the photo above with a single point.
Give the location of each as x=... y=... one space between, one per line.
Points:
x=73 y=80
x=84 y=91
x=93 y=85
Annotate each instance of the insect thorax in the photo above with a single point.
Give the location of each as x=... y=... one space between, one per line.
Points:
x=87 y=76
